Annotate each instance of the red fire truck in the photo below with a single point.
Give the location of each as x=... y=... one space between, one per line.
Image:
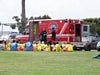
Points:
x=66 y=29
x=70 y=30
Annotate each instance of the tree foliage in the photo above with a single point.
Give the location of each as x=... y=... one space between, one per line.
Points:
x=21 y=22
x=18 y=20
x=40 y=17
x=13 y=26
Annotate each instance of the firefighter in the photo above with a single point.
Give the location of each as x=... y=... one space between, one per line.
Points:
x=43 y=36
x=53 y=37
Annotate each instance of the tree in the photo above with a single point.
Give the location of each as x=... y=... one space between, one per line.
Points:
x=18 y=20
x=23 y=16
x=46 y=17
x=21 y=23
x=40 y=17
x=13 y=26
x=31 y=18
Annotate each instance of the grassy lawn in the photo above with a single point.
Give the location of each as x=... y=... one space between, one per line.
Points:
x=49 y=63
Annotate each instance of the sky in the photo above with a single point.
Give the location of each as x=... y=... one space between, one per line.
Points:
x=56 y=9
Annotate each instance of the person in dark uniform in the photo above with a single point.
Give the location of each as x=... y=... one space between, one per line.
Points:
x=53 y=37
x=43 y=36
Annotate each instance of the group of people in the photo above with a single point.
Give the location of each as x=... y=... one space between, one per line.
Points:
x=53 y=46
x=17 y=45
x=41 y=45
x=37 y=46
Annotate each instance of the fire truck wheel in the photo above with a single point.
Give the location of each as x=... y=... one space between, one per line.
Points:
x=87 y=48
x=98 y=49
x=77 y=48
x=74 y=48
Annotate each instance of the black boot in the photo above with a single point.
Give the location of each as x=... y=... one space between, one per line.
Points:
x=97 y=56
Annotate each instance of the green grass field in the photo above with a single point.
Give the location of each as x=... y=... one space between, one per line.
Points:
x=49 y=63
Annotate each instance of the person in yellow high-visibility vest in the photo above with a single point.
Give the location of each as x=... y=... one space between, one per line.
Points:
x=53 y=46
x=64 y=46
x=4 y=45
x=48 y=47
x=34 y=46
x=39 y=46
x=22 y=46
x=7 y=45
x=19 y=45
x=58 y=47
x=43 y=46
x=69 y=47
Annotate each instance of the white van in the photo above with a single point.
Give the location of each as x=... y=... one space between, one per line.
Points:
x=7 y=37
x=98 y=46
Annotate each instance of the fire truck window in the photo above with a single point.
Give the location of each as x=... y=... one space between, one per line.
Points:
x=85 y=28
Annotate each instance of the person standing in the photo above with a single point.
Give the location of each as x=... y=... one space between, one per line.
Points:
x=43 y=36
x=53 y=32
